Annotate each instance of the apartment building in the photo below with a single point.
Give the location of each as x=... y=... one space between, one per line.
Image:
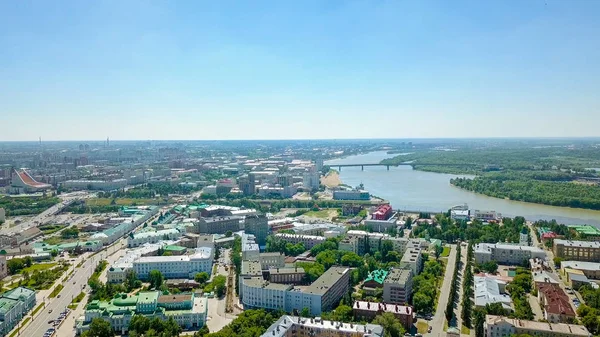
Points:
x=368 y=310
x=499 y=326
x=293 y=326
x=176 y=266
x=220 y=224
x=412 y=260
x=188 y=310
x=308 y=240
x=250 y=249
x=14 y=305
x=397 y=286
x=505 y=253
x=362 y=242
x=577 y=250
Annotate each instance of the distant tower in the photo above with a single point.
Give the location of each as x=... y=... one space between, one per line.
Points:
x=107 y=142
x=40 y=140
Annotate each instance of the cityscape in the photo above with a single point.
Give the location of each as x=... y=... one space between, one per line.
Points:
x=115 y=238
x=349 y=168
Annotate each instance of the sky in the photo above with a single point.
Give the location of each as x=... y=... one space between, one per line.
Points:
x=87 y=70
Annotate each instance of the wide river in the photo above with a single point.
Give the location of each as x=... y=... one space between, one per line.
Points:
x=408 y=189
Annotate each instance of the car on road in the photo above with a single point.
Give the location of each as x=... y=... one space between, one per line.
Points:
x=429 y=329
x=50 y=311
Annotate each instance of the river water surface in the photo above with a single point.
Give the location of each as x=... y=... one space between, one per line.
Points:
x=408 y=189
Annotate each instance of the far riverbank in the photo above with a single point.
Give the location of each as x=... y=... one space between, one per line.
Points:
x=331 y=179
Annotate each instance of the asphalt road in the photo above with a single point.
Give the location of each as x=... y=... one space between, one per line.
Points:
x=437 y=323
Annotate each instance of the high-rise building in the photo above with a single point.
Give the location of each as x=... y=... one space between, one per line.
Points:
x=257 y=225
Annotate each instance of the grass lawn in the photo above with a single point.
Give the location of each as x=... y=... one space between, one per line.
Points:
x=39 y=267
x=78 y=298
x=54 y=240
x=73 y=306
x=422 y=327
x=446 y=252
x=464 y=330
x=38 y=308
x=445 y=325
x=322 y=214
x=56 y=291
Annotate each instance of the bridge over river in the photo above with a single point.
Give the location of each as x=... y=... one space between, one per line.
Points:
x=413 y=164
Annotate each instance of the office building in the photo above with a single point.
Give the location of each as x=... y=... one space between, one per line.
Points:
x=309 y=241
x=577 y=250
x=257 y=225
x=187 y=309
x=175 y=266
x=321 y=295
x=397 y=286
x=250 y=250
x=368 y=310
x=295 y=275
x=14 y=305
x=499 y=326
x=505 y=253
x=220 y=224
x=294 y=326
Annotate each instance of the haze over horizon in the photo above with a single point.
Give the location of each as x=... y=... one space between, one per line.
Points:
x=190 y=70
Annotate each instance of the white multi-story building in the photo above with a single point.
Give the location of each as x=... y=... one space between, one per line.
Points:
x=250 y=249
x=506 y=253
x=499 y=326
x=412 y=260
x=176 y=266
x=288 y=326
x=397 y=286
x=490 y=290
x=138 y=239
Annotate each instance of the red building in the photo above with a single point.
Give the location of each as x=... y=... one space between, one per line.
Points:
x=368 y=310
x=383 y=212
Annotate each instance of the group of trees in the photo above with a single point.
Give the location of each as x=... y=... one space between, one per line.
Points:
x=16 y=264
x=27 y=205
x=467 y=304
x=426 y=286
x=446 y=229
x=452 y=296
x=131 y=281
x=150 y=191
x=70 y=233
x=518 y=289
x=590 y=311
x=490 y=267
x=218 y=285
x=250 y=323
x=42 y=279
x=522 y=188
x=143 y=326
x=275 y=244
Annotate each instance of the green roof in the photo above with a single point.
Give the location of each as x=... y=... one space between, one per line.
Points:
x=378 y=276
x=586 y=230
x=174 y=248
x=148 y=297
x=6 y=304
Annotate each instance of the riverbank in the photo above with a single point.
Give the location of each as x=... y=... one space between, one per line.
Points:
x=331 y=179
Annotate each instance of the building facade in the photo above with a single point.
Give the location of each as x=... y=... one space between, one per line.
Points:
x=577 y=250
x=175 y=266
x=499 y=326
x=397 y=287
x=294 y=326
x=504 y=253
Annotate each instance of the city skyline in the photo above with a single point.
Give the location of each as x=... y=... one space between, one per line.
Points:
x=309 y=70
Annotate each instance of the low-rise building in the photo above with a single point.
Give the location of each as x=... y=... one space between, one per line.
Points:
x=587 y=232
x=590 y=269
x=490 y=290
x=397 y=286
x=368 y=310
x=138 y=239
x=294 y=275
x=577 y=250
x=188 y=310
x=351 y=195
x=500 y=326
x=291 y=326
x=505 y=253
x=555 y=303
x=374 y=281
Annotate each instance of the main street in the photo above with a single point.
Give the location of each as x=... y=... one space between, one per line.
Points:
x=437 y=323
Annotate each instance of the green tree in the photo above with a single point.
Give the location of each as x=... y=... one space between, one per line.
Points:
x=490 y=267
x=422 y=303
x=131 y=280
x=391 y=326
x=99 y=328
x=155 y=278
x=351 y=259
x=305 y=312
x=201 y=277
x=438 y=251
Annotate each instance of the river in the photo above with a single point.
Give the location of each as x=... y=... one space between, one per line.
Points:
x=408 y=189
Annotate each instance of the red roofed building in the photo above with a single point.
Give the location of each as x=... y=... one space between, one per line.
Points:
x=556 y=304
x=383 y=212
x=23 y=182
x=368 y=310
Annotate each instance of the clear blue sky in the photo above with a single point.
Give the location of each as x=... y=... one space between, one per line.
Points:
x=298 y=69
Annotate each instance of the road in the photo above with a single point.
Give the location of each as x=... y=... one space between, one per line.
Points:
x=437 y=323
x=72 y=288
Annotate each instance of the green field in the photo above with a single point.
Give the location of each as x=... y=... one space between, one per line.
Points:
x=39 y=267
x=322 y=214
x=446 y=252
x=56 y=291
x=422 y=327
